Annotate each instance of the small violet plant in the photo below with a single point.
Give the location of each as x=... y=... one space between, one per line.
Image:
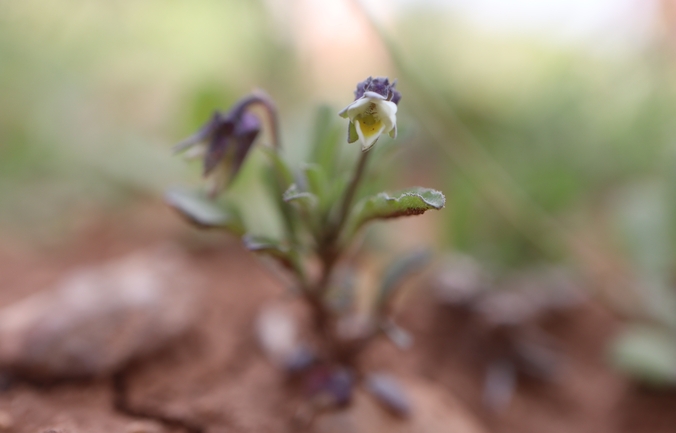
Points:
x=322 y=207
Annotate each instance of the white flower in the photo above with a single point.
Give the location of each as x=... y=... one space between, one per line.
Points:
x=370 y=116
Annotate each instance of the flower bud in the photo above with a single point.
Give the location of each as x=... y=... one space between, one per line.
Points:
x=224 y=142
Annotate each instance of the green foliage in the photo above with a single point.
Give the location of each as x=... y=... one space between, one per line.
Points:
x=326 y=141
x=306 y=200
x=286 y=256
x=413 y=201
x=532 y=131
x=396 y=274
x=204 y=213
x=317 y=203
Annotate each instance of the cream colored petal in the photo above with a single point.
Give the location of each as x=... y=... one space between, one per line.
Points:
x=387 y=112
x=374 y=96
x=387 y=108
x=368 y=140
x=343 y=112
x=393 y=131
x=357 y=107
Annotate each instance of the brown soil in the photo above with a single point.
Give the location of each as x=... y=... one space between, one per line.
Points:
x=215 y=379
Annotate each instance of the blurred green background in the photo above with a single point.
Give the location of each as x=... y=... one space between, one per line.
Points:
x=549 y=125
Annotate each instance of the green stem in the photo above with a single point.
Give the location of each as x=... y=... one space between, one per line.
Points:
x=328 y=249
x=350 y=193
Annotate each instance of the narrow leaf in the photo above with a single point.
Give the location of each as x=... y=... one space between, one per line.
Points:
x=327 y=138
x=279 y=180
x=270 y=247
x=318 y=184
x=284 y=172
x=203 y=212
x=398 y=272
x=304 y=199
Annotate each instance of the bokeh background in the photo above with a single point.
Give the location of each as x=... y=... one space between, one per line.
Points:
x=549 y=125
x=559 y=144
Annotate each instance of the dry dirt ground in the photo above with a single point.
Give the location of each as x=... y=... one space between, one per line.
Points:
x=215 y=379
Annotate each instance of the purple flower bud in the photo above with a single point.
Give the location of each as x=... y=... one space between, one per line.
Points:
x=225 y=140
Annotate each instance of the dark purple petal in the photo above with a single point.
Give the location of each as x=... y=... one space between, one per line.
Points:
x=246 y=132
x=381 y=86
x=220 y=142
x=246 y=124
x=361 y=88
x=202 y=135
x=396 y=95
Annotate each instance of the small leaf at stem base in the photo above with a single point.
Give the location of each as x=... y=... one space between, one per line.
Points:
x=202 y=212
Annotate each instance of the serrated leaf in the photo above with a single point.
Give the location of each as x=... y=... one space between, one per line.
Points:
x=646 y=353
x=202 y=212
x=398 y=272
x=414 y=201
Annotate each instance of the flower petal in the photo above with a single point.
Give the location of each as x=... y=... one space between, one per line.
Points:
x=218 y=179
x=393 y=131
x=343 y=112
x=374 y=95
x=357 y=107
x=387 y=113
x=368 y=134
x=202 y=135
x=352 y=135
x=196 y=151
x=244 y=144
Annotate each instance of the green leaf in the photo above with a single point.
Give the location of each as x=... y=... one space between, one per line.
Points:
x=395 y=275
x=414 y=201
x=202 y=212
x=280 y=180
x=272 y=248
x=326 y=139
x=646 y=353
x=304 y=199
x=284 y=172
x=318 y=184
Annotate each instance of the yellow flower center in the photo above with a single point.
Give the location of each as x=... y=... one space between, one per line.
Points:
x=368 y=121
